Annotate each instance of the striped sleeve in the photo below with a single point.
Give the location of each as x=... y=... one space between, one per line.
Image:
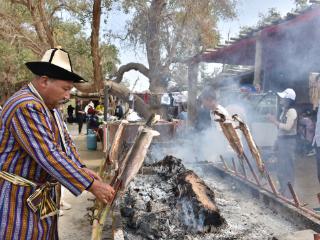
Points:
x=31 y=128
x=74 y=155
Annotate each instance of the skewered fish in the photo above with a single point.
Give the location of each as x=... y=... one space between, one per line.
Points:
x=250 y=141
x=230 y=133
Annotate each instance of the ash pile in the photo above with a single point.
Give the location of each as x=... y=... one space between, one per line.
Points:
x=170 y=202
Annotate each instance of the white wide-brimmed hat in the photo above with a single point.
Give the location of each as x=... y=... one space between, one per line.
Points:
x=56 y=64
x=288 y=93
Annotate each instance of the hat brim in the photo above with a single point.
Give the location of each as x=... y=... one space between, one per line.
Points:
x=53 y=71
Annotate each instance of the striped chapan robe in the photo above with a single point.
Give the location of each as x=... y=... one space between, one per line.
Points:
x=31 y=147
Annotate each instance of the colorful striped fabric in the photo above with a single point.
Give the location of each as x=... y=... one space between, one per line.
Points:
x=30 y=146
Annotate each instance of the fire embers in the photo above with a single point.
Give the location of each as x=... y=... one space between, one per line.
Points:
x=169 y=204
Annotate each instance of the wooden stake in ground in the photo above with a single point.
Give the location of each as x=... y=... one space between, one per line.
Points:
x=250 y=141
x=129 y=167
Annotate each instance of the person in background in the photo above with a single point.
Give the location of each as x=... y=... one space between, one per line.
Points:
x=285 y=145
x=70 y=110
x=203 y=119
x=119 y=110
x=183 y=115
x=80 y=115
x=100 y=107
x=209 y=101
x=306 y=129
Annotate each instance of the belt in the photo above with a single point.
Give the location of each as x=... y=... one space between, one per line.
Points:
x=40 y=199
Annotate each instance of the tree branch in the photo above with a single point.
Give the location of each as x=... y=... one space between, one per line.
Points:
x=131 y=66
x=123 y=93
x=45 y=23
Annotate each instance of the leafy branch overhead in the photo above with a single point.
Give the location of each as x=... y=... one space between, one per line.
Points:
x=169 y=31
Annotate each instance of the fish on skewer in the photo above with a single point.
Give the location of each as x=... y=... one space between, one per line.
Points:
x=112 y=156
x=250 y=141
x=134 y=159
x=230 y=133
x=128 y=168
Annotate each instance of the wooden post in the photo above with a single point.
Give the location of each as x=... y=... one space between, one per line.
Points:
x=224 y=163
x=258 y=61
x=193 y=69
x=273 y=188
x=294 y=195
x=234 y=166
x=106 y=103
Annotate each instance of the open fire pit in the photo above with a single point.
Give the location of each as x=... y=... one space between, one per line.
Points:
x=170 y=202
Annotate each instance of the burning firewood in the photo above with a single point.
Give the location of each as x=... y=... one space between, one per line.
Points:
x=129 y=167
x=250 y=141
x=194 y=192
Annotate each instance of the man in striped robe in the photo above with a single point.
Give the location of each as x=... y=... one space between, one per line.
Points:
x=36 y=151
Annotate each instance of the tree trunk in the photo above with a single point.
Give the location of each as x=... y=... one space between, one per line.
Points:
x=156 y=76
x=45 y=21
x=123 y=93
x=95 y=50
x=193 y=69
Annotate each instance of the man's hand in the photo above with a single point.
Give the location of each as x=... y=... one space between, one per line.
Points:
x=102 y=191
x=92 y=173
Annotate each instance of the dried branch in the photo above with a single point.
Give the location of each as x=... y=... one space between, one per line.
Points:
x=131 y=66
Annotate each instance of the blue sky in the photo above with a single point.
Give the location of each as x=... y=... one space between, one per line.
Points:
x=248 y=15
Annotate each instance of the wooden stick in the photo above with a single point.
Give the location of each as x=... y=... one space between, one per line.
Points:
x=243 y=168
x=224 y=163
x=273 y=188
x=234 y=166
x=294 y=195
x=251 y=169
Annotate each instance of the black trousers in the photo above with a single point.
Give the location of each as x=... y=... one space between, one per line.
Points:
x=80 y=123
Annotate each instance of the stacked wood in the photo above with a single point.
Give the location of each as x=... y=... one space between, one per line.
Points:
x=250 y=141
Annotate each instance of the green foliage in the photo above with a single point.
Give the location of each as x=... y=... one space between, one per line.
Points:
x=301 y=3
x=270 y=16
x=68 y=20
x=187 y=24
